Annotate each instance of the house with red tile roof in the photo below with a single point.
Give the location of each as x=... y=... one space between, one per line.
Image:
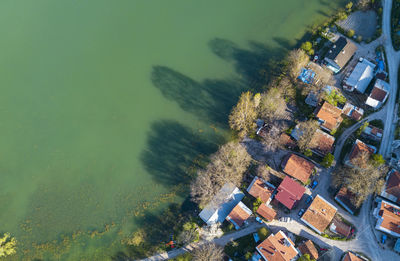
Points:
x=373 y=133
x=343 y=197
x=239 y=214
x=321 y=143
x=259 y=188
x=319 y=214
x=297 y=167
x=277 y=247
x=350 y=256
x=329 y=116
x=339 y=227
x=358 y=148
x=287 y=141
x=379 y=94
x=388 y=218
x=308 y=247
x=266 y=212
x=289 y=192
x=352 y=111
x=391 y=190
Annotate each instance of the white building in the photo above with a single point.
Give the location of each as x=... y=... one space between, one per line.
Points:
x=379 y=94
x=360 y=77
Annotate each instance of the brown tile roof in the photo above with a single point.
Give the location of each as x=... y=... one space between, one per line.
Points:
x=266 y=212
x=345 y=196
x=289 y=191
x=375 y=130
x=355 y=115
x=297 y=167
x=351 y=257
x=319 y=214
x=260 y=190
x=285 y=140
x=277 y=247
x=238 y=215
x=341 y=228
x=331 y=115
x=378 y=94
x=359 y=147
x=393 y=185
x=321 y=142
x=308 y=248
x=391 y=220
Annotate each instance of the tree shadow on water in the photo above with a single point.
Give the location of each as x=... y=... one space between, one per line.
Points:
x=174 y=151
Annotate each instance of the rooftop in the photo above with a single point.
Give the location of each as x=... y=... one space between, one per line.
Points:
x=351 y=257
x=239 y=214
x=340 y=227
x=341 y=51
x=319 y=214
x=388 y=218
x=343 y=197
x=297 y=167
x=277 y=247
x=322 y=142
x=289 y=191
x=360 y=147
x=266 y=212
x=330 y=115
x=393 y=185
x=260 y=189
x=361 y=76
x=309 y=248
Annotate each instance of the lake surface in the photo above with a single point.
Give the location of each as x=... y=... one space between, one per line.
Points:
x=105 y=106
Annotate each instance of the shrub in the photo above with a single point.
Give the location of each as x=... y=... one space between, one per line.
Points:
x=257 y=204
x=308 y=153
x=328 y=160
x=248 y=255
x=306 y=46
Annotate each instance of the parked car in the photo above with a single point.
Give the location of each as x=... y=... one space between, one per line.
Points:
x=383 y=240
x=314 y=184
x=308 y=200
x=301 y=212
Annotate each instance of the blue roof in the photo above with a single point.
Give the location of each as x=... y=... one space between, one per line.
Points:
x=306 y=75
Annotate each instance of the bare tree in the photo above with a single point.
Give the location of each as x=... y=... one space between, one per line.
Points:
x=363 y=4
x=228 y=164
x=296 y=59
x=306 y=131
x=244 y=114
x=208 y=252
x=272 y=105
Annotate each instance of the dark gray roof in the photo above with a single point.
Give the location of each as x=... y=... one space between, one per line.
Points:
x=336 y=48
x=341 y=51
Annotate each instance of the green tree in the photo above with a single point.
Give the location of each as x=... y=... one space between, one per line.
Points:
x=362 y=128
x=342 y=15
x=308 y=153
x=349 y=5
x=350 y=33
x=305 y=257
x=328 y=160
x=263 y=233
x=306 y=46
x=8 y=245
x=257 y=204
x=377 y=160
x=243 y=115
x=334 y=97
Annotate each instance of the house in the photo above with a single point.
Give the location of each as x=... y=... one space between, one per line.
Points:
x=343 y=197
x=339 y=227
x=286 y=141
x=312 y=99
x=321 y=143
x=222 y=204
x=391 y=190
x=239 y=214
x=350 y=256
x=339 y=54
x=289 y=192
x=261 y=189
x=277 y=247
x=308 y=248
x=373 y=133
x=360 y=77
x=379 y=94
x=388 y=218
x=358 y=148
x=352 y=111
x=329 y=116
x=266 y=212
x=297 y=167
x=319 y=214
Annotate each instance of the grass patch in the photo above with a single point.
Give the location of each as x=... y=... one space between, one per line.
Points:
x=184 y=257
x=240 y=248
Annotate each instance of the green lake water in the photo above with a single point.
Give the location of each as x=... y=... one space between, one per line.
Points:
x=106 y=105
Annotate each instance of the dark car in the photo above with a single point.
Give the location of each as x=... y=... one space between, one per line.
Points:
x=301 y=212
x=308 y=200
x=314 y=184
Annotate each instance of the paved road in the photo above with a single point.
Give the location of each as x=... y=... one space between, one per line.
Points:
x=393 y=60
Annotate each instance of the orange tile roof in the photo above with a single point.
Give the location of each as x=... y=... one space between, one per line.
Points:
x=260 y=190
x=393 y=185
x=277 y=247
x=351 y=257
x=319 y=214
x=359 y=147
x=266 y=212
x=390 y=220
x=238 y=215
x=331 y=115
x=308 y=248
x=341 y=228
x=322 y=142
x=285 y=140
x=298 y=167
